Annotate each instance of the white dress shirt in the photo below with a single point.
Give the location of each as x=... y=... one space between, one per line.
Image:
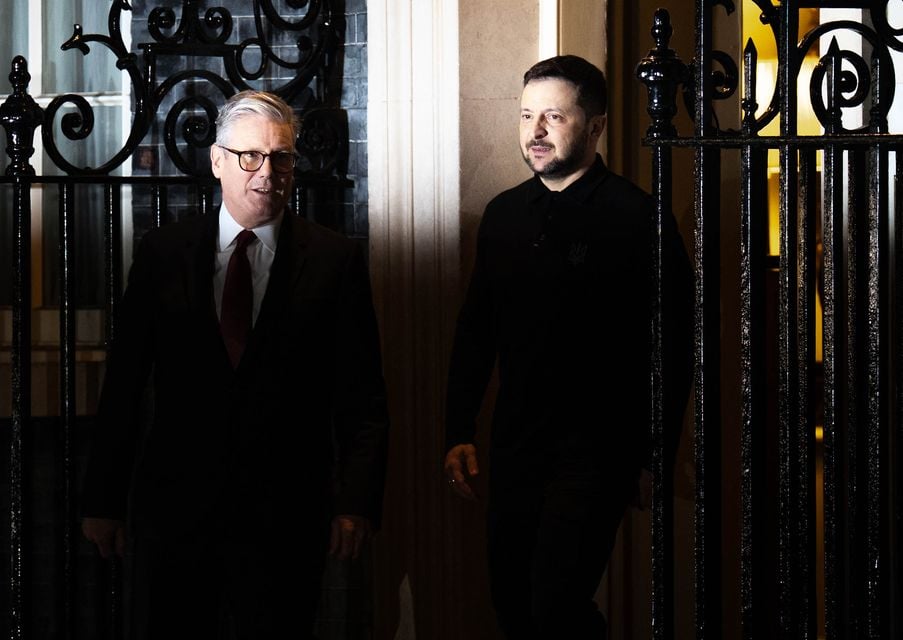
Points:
x=261 y=253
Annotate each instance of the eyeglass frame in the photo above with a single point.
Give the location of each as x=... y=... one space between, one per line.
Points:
x=264 y=156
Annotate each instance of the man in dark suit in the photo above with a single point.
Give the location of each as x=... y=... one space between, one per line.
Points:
x=268 y=440
x=561 y=297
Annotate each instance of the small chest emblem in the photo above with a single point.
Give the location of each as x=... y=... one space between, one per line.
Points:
x=577 y=253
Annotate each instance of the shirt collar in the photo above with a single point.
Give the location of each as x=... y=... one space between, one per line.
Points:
x=229 y=230
x=580 y=190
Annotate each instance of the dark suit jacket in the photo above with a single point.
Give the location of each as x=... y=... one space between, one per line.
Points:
x=296 y=434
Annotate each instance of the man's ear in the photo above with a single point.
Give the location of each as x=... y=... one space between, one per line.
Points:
x=597 y=125
x=216 y=160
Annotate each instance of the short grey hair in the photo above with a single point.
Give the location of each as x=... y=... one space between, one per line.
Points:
x=256 y=103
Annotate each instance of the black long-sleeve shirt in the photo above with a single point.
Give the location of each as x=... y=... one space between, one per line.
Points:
x=561 y=296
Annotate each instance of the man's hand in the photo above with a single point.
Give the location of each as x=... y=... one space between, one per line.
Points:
x=107 y=534
x=348 y=536
x=459 y=460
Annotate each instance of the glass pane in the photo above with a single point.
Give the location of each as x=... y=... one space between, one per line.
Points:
x=13 y=38
x=66 y=71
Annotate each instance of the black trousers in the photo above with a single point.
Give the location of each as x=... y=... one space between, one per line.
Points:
x=219 y=587
x=547 y=555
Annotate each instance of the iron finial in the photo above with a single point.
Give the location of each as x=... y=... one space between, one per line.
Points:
x=661 y=71
x=20 y=115
x=661 y=29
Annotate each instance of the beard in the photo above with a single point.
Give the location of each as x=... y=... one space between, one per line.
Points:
x=565 y=163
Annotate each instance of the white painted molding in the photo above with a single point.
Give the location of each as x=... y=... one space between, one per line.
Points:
x=549 y=28
x=413 y=141
x=414 y=211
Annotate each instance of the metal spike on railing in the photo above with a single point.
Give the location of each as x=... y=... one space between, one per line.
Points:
x=749 y=104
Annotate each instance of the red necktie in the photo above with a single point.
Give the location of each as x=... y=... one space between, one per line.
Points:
x=238 y=299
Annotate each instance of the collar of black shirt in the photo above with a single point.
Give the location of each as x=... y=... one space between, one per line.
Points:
x=580 y=190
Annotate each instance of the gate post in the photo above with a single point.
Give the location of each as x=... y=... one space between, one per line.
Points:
x=20 y=116
x=662 y=72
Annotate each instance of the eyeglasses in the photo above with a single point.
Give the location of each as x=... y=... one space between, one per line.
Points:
x=281 y=161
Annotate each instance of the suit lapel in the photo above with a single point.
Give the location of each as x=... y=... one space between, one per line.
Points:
x=199 y=257
x=200 y=250
x=291 y=254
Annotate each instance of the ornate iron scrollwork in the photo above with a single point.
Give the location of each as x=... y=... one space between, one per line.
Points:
x=323 y=141
x=189 y=121
x=723 y=81
x=215 y=28
x=856 y=82
x=889 y=34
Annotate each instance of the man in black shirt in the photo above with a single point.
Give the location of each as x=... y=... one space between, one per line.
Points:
x=561 y=297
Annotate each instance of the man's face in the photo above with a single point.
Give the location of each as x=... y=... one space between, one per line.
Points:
x=556 y=138
x=257 y=197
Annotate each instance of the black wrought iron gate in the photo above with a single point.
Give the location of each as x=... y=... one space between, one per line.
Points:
x=53 y=586
x=839 y=261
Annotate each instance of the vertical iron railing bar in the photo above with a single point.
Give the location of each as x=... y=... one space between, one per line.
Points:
x=113 y=285
x=204 y=198
x=879 y=363
x=113 y=267
x=156 y=211
x=877 y=392
x=752 y=345
x=788 y=408
x=787 y=314
x=708 y=398
x=159 y=204
x=662 y=72
x=662 y=514
x=708 y=542
x=67 y=327
x=837 y=366
x=753 y=171
x=21 y=403
x=833 y=341
x=803 y=445
x=857 y=269
x=896 y=484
